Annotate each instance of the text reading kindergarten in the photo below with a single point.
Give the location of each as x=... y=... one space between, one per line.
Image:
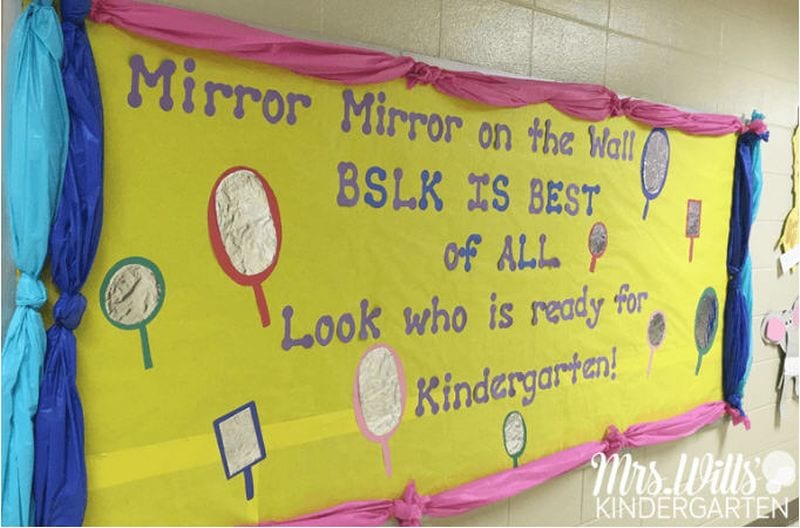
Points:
x=349 y=287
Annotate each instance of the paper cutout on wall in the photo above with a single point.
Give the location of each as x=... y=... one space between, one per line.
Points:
x=656 y=332
x=789 y=242
x=781 y=329
x=244 y=224
x=515 y=436
x=598 y=242
x=132 y=293
x=379 y=397
x=240 y=443
x=705 y=324
x=655 y=165
x=693 y=211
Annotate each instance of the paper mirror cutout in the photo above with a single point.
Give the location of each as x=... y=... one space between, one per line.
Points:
x=244 y=224
x=656 y=332
x=240 y=443
x=655 y=164
x=379 y=397
x=694 y=209
x=598 y=242
x=515 y=436
x=706 y=320
x=131 y=295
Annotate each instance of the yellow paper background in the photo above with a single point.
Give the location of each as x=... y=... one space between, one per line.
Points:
x=151 y=453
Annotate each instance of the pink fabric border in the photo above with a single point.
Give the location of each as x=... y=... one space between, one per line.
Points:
x=351 y=65
x=410 y=509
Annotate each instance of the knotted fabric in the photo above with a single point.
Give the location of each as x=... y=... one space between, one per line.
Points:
x=69 y=309
x=30 y=292
x=59 y=485
x=422 y=73
x=617 y=106
x=35 y=147
x=410 y=509
x=737 y=417
x=615 y=441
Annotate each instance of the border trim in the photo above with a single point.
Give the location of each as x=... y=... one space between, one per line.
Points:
x=355 y=66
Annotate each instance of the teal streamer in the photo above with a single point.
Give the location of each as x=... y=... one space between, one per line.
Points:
x=35 y=136
x=737 y=329
x=755 y=200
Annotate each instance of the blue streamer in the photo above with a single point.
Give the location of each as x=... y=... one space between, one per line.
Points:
x=758 y=176
x=755 y=200
x=737 y=337
x=59 y=484
x=35 y=150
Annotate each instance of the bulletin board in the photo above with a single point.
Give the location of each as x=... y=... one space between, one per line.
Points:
x=308 y=293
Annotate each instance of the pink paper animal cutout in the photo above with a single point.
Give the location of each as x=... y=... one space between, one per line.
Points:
x=780 y=328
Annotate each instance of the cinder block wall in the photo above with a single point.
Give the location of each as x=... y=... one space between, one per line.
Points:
x=726 y=56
